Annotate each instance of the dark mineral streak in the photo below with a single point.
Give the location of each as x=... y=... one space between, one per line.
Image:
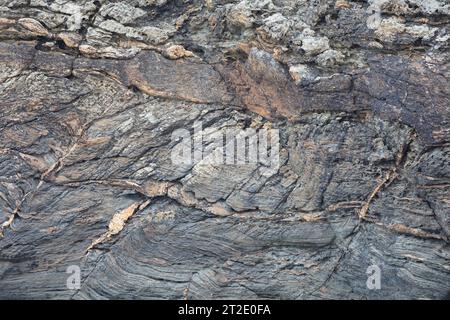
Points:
x=91 y=92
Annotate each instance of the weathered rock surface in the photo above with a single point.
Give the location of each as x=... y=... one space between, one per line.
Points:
x=91 y=92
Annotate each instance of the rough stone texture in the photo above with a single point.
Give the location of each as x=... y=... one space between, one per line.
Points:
x=91 y=91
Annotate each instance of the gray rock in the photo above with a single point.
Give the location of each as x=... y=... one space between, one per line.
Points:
x=93 y=92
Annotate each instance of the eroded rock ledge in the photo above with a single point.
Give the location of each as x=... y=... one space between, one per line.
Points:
x=91 y=92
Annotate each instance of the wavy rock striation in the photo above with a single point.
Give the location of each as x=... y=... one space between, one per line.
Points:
x=91 y=92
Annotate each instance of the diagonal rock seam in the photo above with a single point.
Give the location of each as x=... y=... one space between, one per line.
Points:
x=91 y=93
x=117 y=223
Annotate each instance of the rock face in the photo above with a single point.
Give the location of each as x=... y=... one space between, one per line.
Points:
x=91 y=93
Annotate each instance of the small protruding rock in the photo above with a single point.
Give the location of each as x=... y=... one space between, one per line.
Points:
x=70 y=39
x=177 y=52
x=33 y=26
x=6 y=22
x=342 y=4
x=330 y=58
x=311 y=43
x=300 y=72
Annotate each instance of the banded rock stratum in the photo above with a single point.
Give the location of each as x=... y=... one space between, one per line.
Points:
x=91 y=92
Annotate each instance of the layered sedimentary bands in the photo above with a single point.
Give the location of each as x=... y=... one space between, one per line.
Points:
x=91 y=92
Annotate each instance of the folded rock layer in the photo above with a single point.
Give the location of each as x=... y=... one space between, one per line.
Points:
x=92 y=92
